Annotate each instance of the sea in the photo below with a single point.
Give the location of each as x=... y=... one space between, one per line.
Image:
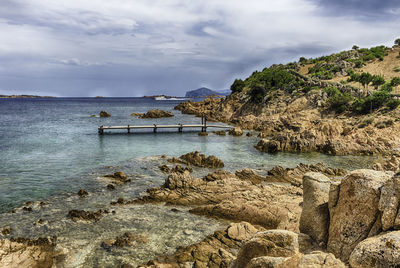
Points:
x=50 y=149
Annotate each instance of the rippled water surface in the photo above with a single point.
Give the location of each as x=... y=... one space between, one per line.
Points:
x=50 y=148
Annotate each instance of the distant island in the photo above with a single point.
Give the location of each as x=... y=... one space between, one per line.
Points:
x=23 y=96
x=205 y=92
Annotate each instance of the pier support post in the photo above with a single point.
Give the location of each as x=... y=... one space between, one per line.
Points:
x=101 y=130
x=155 y=128
x=129 y=129
x=180 y=128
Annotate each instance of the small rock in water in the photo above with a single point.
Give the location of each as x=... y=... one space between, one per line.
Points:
x=175 y=210
x=82 y=193
x=249 y=134
x=202 y=133
x=220 y=133
x=237 y=131
x=110 y=186
x=119 y=177
x=28 y=209
x=104 y=114
x=6 y=230
x=188 y=232
x=136 y=114
x=76 y=215
x=164 y=168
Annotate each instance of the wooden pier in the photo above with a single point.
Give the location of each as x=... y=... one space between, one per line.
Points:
x=203 y=126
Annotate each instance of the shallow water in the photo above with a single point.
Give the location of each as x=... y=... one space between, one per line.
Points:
x=50 y=149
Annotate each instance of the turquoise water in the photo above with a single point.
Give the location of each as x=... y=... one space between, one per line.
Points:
x=48 y=145
x=50 y=148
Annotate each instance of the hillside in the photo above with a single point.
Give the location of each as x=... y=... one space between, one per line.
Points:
x=344 y=103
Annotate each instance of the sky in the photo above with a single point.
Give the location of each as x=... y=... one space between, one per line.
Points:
x=147 y=47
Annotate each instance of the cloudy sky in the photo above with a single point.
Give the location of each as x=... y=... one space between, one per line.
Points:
x=139 y=47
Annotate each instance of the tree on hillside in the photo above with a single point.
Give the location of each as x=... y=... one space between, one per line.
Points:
x=378 y=80
x=355 y=47
x=365 y=80
x=397 y=42
x=237 y=85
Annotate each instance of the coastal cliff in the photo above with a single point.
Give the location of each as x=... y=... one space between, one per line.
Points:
x=331 y=104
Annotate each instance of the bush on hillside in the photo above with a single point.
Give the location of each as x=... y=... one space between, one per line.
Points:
x=393 y=104
x=372 y=102
x=237 y=85
x=338 y=101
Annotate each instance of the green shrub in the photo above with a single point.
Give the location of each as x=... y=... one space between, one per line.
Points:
x=338 y=101
x=237 y=85
x=384 y=124
x=396 y=69
x=273 y=78
x=397 y=42
x=393 y=104
x=355 y=47
x=395 y=81
x=370 y=103
x=378 y=80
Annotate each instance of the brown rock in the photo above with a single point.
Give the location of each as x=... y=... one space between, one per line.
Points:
x=237 y=131
x=314 y=219
x=250 y=175
x=83 y=192
x=220 y=132
x=201 y=160
x=22 y=252
x=156 y=113
x=202 y=133
x=377 y=251
x=354 y=210
x=118 y=177
x=76 y=215
x=137 y=114
x=104 y=114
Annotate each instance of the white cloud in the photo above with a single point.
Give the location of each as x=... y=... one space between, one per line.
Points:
x=214 y=37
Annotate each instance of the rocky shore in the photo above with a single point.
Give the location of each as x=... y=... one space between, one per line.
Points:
x=300 y=123
x=337 y=221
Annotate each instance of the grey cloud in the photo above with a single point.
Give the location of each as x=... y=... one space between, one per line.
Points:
x=199 y=29
x=363 y=9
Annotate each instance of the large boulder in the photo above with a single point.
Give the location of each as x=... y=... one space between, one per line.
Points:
x=354 y=210
x=389 y=204
x=377 y=251
x=314 y=219
x=272 y=243
x=268 y=146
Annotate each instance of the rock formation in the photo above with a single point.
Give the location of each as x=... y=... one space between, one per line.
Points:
x=156 y=113
x=104 y=114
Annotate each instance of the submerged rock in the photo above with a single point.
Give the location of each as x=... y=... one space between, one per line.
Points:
x=83 y=193
x=104 y=114
x=6 y=230
x=136 y=114
x=164 y=168
x=220 y=132
x=118 y=177
x=83 y=215
x=216 y=250
x=202 y=133
x=127 y=239
x=156 y=113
